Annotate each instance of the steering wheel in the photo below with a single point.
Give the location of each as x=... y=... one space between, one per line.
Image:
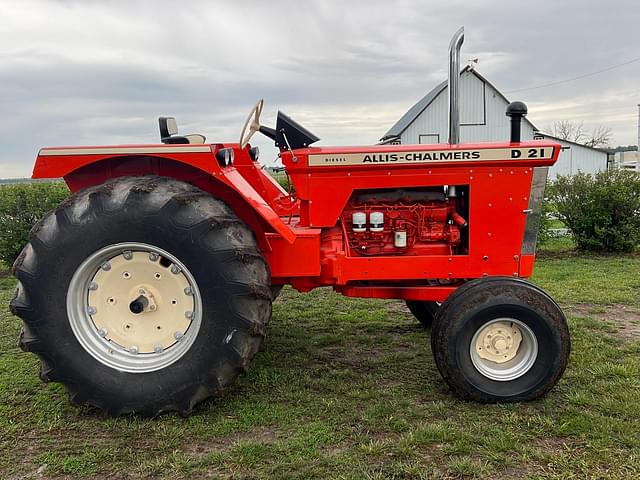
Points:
x=253 y=124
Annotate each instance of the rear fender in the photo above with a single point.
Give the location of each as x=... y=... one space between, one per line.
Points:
x=83 y=167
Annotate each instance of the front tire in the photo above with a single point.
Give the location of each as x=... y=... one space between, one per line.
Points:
x=143 y=294
x=423 y=311
x=500 y=340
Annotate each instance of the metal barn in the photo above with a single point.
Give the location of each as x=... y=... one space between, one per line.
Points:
x=483 y=119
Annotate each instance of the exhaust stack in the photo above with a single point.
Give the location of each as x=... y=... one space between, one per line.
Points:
x=453 y=83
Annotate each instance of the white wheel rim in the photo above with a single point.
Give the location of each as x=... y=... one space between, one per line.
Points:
x=503 y=349
x=134 y=307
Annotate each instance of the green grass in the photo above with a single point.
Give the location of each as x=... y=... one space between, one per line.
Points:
x=347 y=388
x=557 y=245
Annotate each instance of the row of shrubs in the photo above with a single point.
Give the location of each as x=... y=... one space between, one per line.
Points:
x=602 y=211
x=21 y=206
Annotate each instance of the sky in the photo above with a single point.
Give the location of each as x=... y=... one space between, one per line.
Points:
x=88 y=72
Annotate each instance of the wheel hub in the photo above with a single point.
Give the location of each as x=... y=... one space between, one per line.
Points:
x=498 y=342
x=503 y=349
x=134 y=307
x=139 y=303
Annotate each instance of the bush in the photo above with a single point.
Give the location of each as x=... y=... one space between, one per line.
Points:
x=21 y=206
x=544 y=230
x=549 y=219
x=602 y=210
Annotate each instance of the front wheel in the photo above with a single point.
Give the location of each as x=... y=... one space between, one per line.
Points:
x=500 y=340
x=143 y=294
x=423 y=311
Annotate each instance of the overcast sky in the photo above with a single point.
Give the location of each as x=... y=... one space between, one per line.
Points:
x=91 y=72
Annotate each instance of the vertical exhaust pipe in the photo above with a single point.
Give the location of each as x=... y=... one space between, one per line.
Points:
x=453 y=83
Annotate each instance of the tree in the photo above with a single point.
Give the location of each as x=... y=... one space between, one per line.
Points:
x=599 y=137
x=567 y=130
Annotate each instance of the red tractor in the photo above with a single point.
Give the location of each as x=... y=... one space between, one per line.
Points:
x=150 y=288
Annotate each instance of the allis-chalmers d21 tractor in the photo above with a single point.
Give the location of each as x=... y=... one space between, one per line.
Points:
x=150 y=288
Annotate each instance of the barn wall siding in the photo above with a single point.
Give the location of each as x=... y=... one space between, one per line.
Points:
x=577 y=159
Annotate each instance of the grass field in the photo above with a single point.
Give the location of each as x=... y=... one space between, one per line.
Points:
x=347 y=388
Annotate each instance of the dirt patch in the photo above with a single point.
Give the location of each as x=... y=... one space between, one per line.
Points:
x=521 y=471
x=338 y=449
x=223 y=444
x=398 y=307
x=553 y=444
x=362 y=360
x=625 y=318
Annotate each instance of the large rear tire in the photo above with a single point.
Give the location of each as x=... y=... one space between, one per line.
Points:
x=143 y=294
x=500 y=340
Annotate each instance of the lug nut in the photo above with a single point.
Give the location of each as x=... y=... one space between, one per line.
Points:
x=106 y=266
x=175 y=269
x=158 y=348
x=93 y=286
x=153 y=256
x=188 y=291
x=92 y=310
x=127 y=255
x=102 y=332
x=178 y=335
x=189 y=314
x=134 y=350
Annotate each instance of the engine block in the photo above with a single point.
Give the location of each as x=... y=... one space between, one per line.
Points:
x=403 y=222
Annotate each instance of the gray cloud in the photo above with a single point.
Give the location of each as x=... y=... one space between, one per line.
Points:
x=89 y=72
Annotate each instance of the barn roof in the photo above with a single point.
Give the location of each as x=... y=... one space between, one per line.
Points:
x=415 y=111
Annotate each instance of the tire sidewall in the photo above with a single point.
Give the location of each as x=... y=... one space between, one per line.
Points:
x=539 y=373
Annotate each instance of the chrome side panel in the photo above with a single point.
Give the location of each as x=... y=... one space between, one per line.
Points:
x=536 y=200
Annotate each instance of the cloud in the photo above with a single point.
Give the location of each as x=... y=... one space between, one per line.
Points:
x=93 y=72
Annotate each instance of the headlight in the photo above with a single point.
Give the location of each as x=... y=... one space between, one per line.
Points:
x=224 y=156
x=254 y=153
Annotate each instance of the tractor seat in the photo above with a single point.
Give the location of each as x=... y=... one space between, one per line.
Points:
x=169 y=132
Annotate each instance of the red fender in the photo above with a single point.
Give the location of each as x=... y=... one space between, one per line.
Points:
x=83 y=166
